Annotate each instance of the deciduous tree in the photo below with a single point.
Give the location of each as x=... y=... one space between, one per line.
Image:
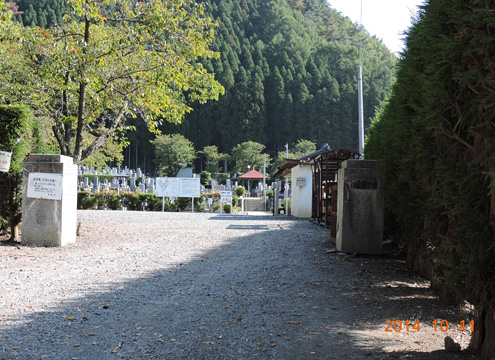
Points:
x=94 y=70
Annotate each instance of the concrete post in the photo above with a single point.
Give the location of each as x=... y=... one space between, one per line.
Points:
x=49 y=206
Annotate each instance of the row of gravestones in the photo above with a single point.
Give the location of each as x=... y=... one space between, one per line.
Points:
x=124 y=179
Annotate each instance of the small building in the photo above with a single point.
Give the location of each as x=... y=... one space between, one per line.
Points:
x=313 y=176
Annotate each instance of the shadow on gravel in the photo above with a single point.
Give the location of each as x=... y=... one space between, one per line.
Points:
x=270 y=295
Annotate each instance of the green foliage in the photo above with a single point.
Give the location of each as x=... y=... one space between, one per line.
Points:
x=240 y=191
x=236 y=210
x=102 y=198
x=199 y=204
x=227 y=208
x=301 y=148
x=435 y=141
x=235 y=200
x=205 y=177
x=87 y=202
x=182 y=204
x=93 y=70
x=290 y=72
x=269 y=193
x=15 y=137
x=212 y=157
x=173 y=152
x=114 y=202
x=250 y=154
x=217 y=207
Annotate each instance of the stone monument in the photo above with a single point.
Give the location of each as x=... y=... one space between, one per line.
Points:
x=359 y=208
x=49 y=206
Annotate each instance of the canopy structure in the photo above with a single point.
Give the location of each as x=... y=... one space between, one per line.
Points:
x=252 y=175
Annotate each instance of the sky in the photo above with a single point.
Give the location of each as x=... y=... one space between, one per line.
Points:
x=386 y=19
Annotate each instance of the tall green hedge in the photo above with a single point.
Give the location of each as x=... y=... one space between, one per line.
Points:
x=15 y=137
x=435 y=140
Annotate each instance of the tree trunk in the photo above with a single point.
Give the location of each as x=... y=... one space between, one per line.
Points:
x=483 y=338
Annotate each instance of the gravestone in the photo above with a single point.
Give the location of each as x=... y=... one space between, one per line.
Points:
x=96 y=183
x=359 y=208
x=49 y=206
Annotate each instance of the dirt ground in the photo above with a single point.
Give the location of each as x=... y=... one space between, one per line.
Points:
x=213 y=286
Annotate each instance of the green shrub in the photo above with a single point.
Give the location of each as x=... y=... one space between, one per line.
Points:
x=216 y=207
x=240 y=191
x=235 y=200
x=269 y=193
x=199 y=204
x=239 y=210
x=102 y=198
x=227 y=208
x=81 y=196
x=89 y=202
x=182 y=203
x=205 y=177
x=114 y=202
x=130 y=200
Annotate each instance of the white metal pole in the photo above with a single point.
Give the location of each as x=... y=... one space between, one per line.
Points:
x=360 y=90
x=361 y=112
x=264 y=180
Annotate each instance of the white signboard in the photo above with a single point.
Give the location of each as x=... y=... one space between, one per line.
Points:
x=226 y=197
x=190 y=187
x=167 y=187
x=45 y=186
x=5 y=161
x=178 y=187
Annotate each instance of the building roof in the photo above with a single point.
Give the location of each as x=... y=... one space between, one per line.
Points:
x=285 y=166
x=253 y=174
x=325 y=148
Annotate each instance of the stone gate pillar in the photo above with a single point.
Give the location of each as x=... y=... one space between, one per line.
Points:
x=49 y=205
x=359 y=208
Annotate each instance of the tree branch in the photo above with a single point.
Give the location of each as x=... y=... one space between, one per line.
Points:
x=101 y=140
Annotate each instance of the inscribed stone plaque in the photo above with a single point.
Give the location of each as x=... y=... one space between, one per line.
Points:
x=45 y=186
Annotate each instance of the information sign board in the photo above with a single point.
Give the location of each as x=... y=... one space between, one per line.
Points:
x=5 y=161
x=190 y=187
x=178 y=187
x=226 y=197
x=45 y=186
x=167 y=187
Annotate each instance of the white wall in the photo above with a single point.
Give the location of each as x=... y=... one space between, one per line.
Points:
x=301 y=195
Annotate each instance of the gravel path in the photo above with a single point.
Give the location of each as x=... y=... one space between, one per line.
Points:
x=145 y=285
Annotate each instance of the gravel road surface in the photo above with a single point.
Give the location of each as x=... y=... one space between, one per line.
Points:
x=143 y=285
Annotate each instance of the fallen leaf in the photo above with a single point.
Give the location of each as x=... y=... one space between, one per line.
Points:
x=91 y=334
x=287 y=338
x=117 y=348
x=70 y=317
x=292 y=322
x=15 y=348
x=85 y=318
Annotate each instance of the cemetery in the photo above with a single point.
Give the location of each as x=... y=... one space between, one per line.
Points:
x=121 y=188
x=333 y=257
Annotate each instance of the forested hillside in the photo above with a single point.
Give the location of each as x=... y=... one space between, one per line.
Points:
x=290 y=72
x=289 y=69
